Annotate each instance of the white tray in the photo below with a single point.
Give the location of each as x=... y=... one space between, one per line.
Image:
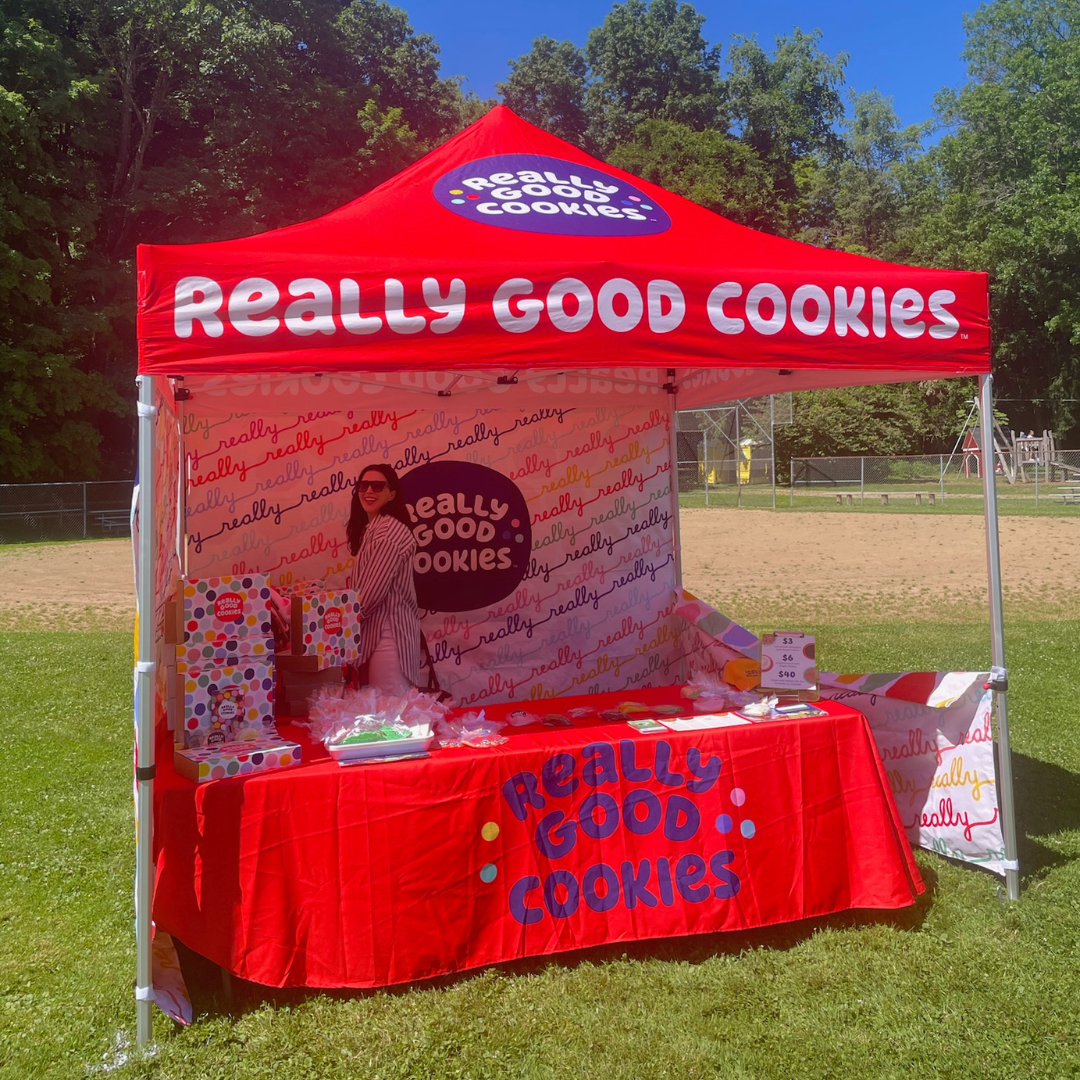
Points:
x=344 y=752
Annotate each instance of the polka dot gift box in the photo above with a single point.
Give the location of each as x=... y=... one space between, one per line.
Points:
x=226 y=704
x=226 y=652
x=331 y=627
x=237 y=759
x=226 y=615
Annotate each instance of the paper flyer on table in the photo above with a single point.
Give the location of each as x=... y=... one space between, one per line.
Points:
x=705 y=721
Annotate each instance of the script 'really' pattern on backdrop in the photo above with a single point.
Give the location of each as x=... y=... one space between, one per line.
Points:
x=932 y=728
x=561 y=515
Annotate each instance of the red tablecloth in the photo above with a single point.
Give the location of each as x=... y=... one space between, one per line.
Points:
x=558 y=839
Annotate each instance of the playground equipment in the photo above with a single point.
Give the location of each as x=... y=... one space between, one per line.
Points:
x=1017 y=458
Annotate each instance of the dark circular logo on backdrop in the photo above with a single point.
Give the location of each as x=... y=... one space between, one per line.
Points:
x=472 y=532
x=537 y=194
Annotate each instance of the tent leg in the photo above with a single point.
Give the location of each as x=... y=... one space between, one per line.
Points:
x=673 y=487
x=144 y=718
x=997 y=629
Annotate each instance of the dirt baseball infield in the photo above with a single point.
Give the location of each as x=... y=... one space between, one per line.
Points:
x=800 y=568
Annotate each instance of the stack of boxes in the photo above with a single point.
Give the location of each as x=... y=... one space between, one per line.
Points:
x=222 y=688
x=325 y=634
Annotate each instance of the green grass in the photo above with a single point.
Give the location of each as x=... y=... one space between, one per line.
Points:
x=963 y=985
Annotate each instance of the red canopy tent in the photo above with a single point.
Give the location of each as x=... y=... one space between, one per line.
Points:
x=499 y=263
x=508 y=247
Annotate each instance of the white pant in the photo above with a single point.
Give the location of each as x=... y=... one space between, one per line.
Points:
x=384 y=668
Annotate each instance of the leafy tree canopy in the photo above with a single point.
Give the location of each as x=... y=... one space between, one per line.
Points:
x=126 y=121
x=708 y=167
x=547 y=87
x=999 y=193
x=649 y=61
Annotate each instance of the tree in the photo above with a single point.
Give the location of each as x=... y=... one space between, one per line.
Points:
x=708 y=167
x=547 y=87
x=127 y=121
x=887 y=420
x=786 y=108
x=649 y=61
x=53 y=401
x=399 y=68
x=999 y=193
x=867 y=195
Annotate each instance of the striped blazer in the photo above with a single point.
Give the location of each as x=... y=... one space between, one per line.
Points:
x=383 y=582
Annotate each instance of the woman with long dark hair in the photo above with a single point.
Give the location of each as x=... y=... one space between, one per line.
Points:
x=380 y=537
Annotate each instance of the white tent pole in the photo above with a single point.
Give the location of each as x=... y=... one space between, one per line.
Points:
x=673 y=447
x=673 y=487
x=144 y=717
x=999 y=681
x=772 y=446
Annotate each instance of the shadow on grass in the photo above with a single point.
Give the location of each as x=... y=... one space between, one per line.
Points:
x=1047 y=802
x=213 y=993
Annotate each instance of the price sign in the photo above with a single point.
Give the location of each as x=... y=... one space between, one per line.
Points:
x=789 y=664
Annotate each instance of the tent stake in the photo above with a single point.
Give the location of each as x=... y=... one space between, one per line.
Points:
x=999 y=679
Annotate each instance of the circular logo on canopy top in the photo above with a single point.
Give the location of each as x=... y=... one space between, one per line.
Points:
x=472 y=532
x=537 y=194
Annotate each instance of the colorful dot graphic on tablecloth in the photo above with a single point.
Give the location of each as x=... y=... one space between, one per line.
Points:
x=724 y=824
x=457 y=200
x=738 y=796
x=489 y=873
x=457 y=191
x=747 y=828
x=490 y=830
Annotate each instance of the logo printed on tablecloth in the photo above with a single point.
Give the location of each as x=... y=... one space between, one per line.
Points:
x=669 y=798
x=532 y=193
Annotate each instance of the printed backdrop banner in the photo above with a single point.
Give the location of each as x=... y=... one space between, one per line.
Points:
x=932 y=729
x=545 y=562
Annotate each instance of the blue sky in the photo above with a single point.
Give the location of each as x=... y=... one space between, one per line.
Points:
x=908 y=50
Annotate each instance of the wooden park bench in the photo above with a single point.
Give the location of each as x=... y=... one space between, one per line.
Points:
x=884 y=496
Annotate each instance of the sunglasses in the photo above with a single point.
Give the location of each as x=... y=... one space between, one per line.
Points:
x=370 y=485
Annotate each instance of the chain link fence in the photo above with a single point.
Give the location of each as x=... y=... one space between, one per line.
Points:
x=714 y=470
x=32 y=513
x=1022 y=475
x=725 y=455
